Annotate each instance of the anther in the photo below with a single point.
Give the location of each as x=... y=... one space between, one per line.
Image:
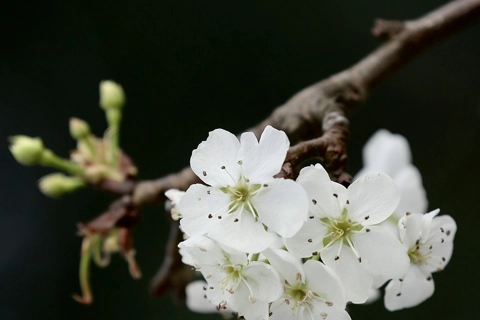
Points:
x=399 y=294
x=210 y=216
x=236 y=220
x=368 y=230
x=204 y=173
x=310 y=240
x=311 y=217
x=323 y=315
x=223 y=167
x=448 y=232
x=347 y=202
x=337 y=257
x=314 y=201
x=219 y=217
x=429 y=278
x=366 y=218
x=335 y=195
x=240 y=162
x=329 y=303
x=265 y=185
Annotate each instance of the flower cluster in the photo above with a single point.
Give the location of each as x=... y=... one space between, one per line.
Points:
x=273 y=248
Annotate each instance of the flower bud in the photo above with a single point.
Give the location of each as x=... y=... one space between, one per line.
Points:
x=26 y=150
x=111 y=95
x=79 y=129
x=56 y=185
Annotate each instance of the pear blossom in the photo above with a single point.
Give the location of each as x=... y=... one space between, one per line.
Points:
x=235 y=282
x=311 y=290
x=242 y=206
x=343 y=229
x=429 y=241
x=390 y=153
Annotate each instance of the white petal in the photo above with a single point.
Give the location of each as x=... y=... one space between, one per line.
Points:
x=441 y=242
x=196 y=300
x=413 y=194
x=413 y=290
x=321 y=280
x=373 y=198
x=427 y=223
x=282 y=206
x=383 y=253
x=320 y=311
x=286 y=265
x=308 y=240
x=411 y=227
x=204 y=250
x=200 y=208
x=264 y=281
x=320 y=191
x=240 y=302
x=263 y=159
x=386 y=152
x=281 y=311
x=246 y=234
x=219 y=150
x=356 y=280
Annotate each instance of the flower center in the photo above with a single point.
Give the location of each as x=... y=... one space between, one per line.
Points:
x=340 y=229
x=241 y=195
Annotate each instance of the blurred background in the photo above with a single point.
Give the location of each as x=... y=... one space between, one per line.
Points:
x=192 y=66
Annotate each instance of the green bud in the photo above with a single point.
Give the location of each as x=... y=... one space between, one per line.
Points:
x=26 y=150
x=79 y=129
x=56 y=185
x=111 y=95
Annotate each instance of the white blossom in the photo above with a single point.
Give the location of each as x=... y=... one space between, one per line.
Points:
x=311 y=290
x=429 y=241
x=343 y=227
x=234 y=282
x=243 y=206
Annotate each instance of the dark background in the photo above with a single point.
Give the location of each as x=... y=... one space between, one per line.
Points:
x=192 y=66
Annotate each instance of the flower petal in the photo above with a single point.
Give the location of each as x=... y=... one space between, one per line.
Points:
x=413 y=290
x=239 y=301
x=282 y=206
x=383 y=252
x=321 y=192
x=263 y=159
x=356 y=280
x=385 y=152
x=321 y=280
x=410 y=226
x=413 y=195
x=220 y=150
x=196 y=299
x=308 y=240
x=373 y=198
x=245 y=234
x=263 y=280
x=286 y=264
x=200 y=207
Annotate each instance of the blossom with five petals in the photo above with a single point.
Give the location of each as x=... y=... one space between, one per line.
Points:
x=234 y=282
x=429 y=240
x=343 y=229
x=244 y=206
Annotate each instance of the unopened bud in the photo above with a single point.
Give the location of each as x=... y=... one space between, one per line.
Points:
x=56 y=185
x=79 y=129
x=111 y=95
x=26 y=150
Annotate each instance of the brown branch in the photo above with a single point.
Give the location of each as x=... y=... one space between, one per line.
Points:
x=330 y=102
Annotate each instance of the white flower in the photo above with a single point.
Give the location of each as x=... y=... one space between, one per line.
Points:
x=234 y=282
x=312 y=290
x=343 y=228
x=429 y=241
x=390 y=153
x=244 y=204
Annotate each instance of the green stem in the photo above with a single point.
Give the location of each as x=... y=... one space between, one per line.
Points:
x=49 y=159
x=84 y=272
